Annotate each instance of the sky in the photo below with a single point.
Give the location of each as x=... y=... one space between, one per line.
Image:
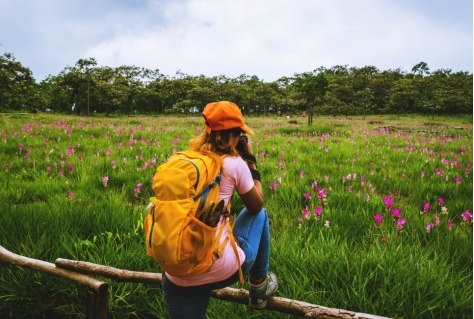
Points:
x=266 y=38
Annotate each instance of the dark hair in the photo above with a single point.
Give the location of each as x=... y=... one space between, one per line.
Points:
x=216 y=142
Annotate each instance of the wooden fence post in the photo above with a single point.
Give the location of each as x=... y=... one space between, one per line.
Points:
x=97 y=305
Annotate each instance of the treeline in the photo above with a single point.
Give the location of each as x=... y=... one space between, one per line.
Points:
x=340 y=90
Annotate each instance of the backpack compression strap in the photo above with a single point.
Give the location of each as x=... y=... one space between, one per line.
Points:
x=205 y=191
x=234 y=247
x=220 y=248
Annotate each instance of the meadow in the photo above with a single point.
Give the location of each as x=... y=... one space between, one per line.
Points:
x=370 y=215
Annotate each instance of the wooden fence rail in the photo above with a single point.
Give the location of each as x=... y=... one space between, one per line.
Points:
x=97 y=302
x=98 y=291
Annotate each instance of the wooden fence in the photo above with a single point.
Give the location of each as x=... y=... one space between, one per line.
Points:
x=98 y=295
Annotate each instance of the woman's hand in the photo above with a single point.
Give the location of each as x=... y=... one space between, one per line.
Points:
x=245 y=144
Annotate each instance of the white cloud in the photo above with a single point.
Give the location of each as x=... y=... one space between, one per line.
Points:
x=266 y=38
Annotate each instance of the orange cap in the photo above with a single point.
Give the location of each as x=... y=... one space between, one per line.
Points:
x=223 y=115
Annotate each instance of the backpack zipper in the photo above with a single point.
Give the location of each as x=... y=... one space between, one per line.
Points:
x=152 y=225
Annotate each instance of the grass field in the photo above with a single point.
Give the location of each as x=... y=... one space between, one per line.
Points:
x=373 y=215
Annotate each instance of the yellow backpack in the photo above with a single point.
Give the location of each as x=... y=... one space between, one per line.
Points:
x=186 y=188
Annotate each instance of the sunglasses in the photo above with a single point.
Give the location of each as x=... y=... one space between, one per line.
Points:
x=237 y=131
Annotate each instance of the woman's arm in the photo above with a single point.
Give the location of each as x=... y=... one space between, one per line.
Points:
x=253 y=199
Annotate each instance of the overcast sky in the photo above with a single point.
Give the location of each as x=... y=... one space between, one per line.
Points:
x=266 y=38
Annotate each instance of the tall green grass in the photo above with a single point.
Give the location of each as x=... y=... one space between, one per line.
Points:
x=341 y=260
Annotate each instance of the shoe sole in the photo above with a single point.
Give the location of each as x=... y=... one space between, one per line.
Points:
x=261 y=305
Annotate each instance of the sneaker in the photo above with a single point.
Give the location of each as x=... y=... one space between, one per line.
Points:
x=258 y=294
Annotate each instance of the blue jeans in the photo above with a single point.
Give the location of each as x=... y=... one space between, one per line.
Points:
x=253 y=235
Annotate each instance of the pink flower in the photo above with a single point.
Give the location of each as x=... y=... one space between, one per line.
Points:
x=306 y=213
x=422 y=174
x=457 y=180
x=71 y=167
x=61 y=173
x=426 y=207
x=48 y=169
x=273 y=185
x=396 y=213
x=467 y=216
x=400 y=224
x=378 y=219
x=437 y=221
x=114 y=164
x=429 y=227
x=70 y=195
x=301 y=174
x=327 y=223
x=105 y=180
x=321 y=192
x=362 y=180
x=383 y=239
x=318 y=211
x=440 y=201
x=388 y=200
x=307 y=195
x=299 y=222
x=450 y=224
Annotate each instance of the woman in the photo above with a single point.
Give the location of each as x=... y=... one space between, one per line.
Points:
x=188 y=297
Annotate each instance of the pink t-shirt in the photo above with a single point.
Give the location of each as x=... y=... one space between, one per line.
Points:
x=235 y=176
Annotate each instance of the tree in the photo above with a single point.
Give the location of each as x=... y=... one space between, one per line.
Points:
x=53 y=96
x=340 y=96
x=84 y=66
x=77 y=80
x=402 y=96
x=202 y=92
x=266 y=97
x=180 y=88
x=283 y=89
x=249 y=99
x=18 y=89
x=381 y=85
x=362 y=86
x=421 y=69
x=452 y=92
x=313 y=85
x=129 y=80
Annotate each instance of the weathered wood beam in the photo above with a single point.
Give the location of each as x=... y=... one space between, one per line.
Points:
x=283 y=305
x=49 y=268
